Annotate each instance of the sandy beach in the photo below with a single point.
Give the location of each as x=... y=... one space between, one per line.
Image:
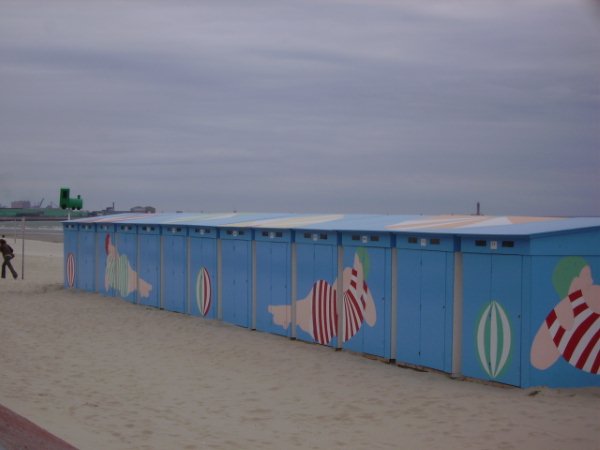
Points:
x=102 y=373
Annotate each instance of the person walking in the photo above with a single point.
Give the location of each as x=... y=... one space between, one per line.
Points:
x=7 y=255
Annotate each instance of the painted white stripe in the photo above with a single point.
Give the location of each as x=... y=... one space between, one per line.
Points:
x=71 y=269
x=506 y=344
x=569 y=333
x=205 y=292
x=592 y=358
x=432 y=223
x=199 y=299
x=576 y=303
x=489 y=222
x=329 y=315
x=201 y=217
x=494 y=338
x=554 y=328
x=584 y=341
x=290 y=222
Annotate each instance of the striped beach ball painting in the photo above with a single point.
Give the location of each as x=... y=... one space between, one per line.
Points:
x=71 y=269
x=493 y=339
x=203 y=291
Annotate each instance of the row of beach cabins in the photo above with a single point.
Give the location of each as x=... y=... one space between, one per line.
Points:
x=496 y=298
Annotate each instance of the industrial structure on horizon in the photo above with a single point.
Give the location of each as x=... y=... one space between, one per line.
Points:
x=37 y=211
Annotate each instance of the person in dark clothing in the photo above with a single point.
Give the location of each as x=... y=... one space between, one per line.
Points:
x=7 y=255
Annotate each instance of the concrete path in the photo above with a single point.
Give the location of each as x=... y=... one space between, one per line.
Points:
x=18 y=433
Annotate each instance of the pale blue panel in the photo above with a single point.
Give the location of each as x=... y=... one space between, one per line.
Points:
x=87 y=258
x=580 y=242
x=236 y=283
x=149 y=268
x=174 y=273
x=433 y=309
x=495 y=245
x=273 y=287
x=273 y=235
x=408 y=320
x=449 y=309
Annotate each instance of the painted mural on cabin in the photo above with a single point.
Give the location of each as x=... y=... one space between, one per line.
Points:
x=70 y=266
x=316 y=313
x=494 y=339
x=571 y=329
x=203 y=291
x=120 y=275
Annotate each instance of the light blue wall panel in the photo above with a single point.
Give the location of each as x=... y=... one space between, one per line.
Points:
x=236 y=283
x=581 y=242
x=433 y=309
x=174 y=268
x=492 y=310
x=507 y=245
x=424 y=310
x=273 y=282
x=414 y=241
x=149 y=265
x=86 y=267
x=408 y=320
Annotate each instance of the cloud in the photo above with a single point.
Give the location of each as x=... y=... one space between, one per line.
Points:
x=303 y=106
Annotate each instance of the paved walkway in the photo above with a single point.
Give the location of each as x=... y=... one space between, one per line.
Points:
x=18 y=433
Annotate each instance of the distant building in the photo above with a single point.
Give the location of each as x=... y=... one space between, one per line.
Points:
x=21 y=204
x=143 y=209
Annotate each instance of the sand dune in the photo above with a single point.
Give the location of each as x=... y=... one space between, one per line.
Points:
x=101 y=373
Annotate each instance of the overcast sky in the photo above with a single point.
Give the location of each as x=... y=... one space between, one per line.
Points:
x=373 y=106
